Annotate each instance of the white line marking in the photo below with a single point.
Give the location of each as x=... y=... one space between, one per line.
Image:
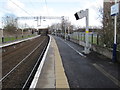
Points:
x=74 y=49
x=117 y=82
x=37 y=75
x=20 y=62
x=4 y=45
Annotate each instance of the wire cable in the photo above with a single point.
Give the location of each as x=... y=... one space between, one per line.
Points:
x=20 y=7
x=46 y=7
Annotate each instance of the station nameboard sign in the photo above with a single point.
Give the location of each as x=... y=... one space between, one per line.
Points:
x=115 y=9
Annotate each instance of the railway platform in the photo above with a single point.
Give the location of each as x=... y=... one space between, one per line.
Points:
x=50 y=73
x=65 y=66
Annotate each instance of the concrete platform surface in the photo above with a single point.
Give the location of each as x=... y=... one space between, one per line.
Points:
x=52 y=73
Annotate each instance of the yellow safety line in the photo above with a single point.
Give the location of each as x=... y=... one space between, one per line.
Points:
x=61 y=79
x=117 y=82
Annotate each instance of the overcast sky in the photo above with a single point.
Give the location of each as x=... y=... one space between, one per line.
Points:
x=52 y=8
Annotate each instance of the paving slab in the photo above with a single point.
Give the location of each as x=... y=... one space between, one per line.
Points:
x=52 y=73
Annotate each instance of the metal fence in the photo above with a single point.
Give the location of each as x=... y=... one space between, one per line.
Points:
x=15 y=38
x=94 y=38
x=80 y=36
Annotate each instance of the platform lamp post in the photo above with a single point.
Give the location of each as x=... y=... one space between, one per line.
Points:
x=64 y=32
x=79 y=15
x=115 y=12
x=58 y=29
x=55 y=30
x=68 y=32
x=2 y=31
x=22 y=32
x=60 y=32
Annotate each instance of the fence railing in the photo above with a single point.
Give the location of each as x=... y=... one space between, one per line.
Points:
x=15 y=38
x=94 y=38
x=79 y=36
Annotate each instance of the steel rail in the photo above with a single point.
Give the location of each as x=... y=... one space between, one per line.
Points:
x=38 y=61
x=20 y=62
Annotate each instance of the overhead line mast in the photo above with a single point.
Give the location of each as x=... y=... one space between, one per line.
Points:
x=40 y=17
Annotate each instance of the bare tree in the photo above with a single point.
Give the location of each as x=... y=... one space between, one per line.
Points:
x=66 y=24
x=10 y=23
x=60 y=27
x=107 y=30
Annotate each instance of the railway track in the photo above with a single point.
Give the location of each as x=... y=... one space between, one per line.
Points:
x=20 y=62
